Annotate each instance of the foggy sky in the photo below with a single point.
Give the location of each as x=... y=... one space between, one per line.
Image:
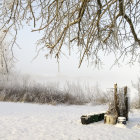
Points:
x=47 y=69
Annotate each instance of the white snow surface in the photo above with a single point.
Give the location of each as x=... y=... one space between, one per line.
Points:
x=22 y=121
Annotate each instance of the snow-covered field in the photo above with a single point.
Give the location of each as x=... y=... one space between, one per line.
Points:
x=21 y=121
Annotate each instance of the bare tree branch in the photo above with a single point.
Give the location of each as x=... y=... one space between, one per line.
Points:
x=110 y=26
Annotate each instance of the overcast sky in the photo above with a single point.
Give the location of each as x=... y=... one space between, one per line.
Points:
x=47 y=69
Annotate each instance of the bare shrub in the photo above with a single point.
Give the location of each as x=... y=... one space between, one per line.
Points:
x=135 y=104
x=23 y=90
x=36 y=93
x=77 y=92
x=96 y=96
x=136 y=101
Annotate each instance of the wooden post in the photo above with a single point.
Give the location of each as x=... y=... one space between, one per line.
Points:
x=125 y=91
x=126 y=102
x=115 y=99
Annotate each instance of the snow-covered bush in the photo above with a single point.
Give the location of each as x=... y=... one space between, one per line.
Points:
x=24 y=90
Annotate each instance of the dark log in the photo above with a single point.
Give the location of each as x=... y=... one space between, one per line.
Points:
x=87 y=119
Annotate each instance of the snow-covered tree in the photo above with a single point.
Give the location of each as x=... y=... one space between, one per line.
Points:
x=93 y=26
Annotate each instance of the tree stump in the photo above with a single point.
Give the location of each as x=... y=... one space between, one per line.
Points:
x=110 y=119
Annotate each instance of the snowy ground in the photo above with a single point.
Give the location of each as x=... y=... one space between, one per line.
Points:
x=20 y=121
